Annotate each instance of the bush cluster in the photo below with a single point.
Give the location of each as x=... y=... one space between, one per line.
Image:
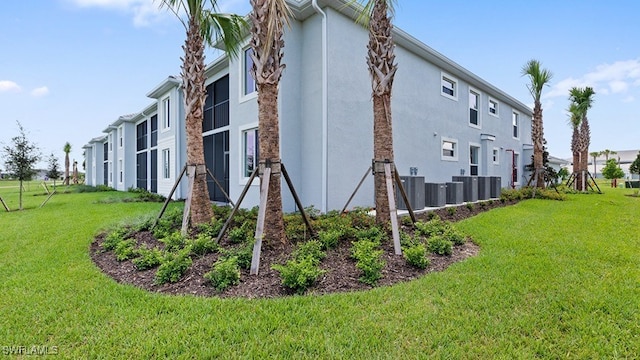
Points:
x=225 y=273
x=301 y=272
x=172 y=266
x=367 y=253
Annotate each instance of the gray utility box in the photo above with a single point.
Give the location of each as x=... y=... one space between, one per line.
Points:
x=414 y=187
x=484 y=188
x=455 y=192
x=435 y=194
x=470 y=187
x=496 y=186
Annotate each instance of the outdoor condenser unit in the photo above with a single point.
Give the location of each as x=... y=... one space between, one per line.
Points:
x=470 y=187
x=455 y=192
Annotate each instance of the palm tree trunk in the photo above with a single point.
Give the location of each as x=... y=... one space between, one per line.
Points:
x=66 y=169
x=269 y=132
x=538 y=145
x=193 y=87
x=382 y=152
x=382 y=69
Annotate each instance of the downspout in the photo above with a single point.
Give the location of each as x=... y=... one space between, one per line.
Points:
x=325 y=118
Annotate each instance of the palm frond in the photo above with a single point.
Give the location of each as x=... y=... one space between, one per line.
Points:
x=538 y=77
x=365 y=9
x=230 y=28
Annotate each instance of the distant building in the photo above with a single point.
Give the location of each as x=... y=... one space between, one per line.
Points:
x=624 y=157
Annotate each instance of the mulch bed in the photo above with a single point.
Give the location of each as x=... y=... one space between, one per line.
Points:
x=341 y=275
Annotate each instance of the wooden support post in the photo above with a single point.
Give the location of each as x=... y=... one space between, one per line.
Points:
x=296 y=199
x=44 y=185
x=262 y=209
x=356 y=190
x=392 y=209
x=404 y=194
x=47 y=199
x=166 y=202
x=220 y=187
x=4 y=204
x=191 y=174
x=594 y=183
x=237 y=206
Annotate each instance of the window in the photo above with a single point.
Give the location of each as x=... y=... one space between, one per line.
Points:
x=249 y=85
x=110 y=172
x=166 y=169
x=154 y=130
x=141 y=136
x=249 y=151
x=449 y=87
x=516 y=161
x=516 y=123
x=121 y=172
x=474 y=159
x=474 y=105
x=496 y=156
x=166 y=113
x=493 y=107
x=110 y=142
x=449 y=149
x=120 y=140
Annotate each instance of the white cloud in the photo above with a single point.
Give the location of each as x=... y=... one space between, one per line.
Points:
x=147 y=12
x=7 y=85
x=40 y=92
x=629 y=99
x=606 y=79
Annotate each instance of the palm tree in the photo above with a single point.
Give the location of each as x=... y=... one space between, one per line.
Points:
x=203 y=25
x=539 y=78
x=583 y=98
x=606 y=153
x=594 y=155
x=67 y=150
x=575 y=119
x=376 y=16
x=267 y=29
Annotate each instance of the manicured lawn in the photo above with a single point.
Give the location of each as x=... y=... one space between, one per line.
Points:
x=553 y=280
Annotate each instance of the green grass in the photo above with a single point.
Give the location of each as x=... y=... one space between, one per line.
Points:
x=553 y=280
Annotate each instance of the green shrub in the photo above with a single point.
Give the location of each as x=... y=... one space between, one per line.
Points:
x=439 y=245
x=330 y=238
x=203 y=244
x=360 y=218
x=470 y=206
x=432 y=227
x=212 y=230
x=368 y=260
x=174 y=241
x=407 y=221
x=454 y=236
x=225 y=273
x=243 y=253
x=125 y=250
x=452 y=210
x=294 y=228
x=171 y=221
x=406 y=240
x=311 y=249
x=144 y=195
x=113 y=238
x=242 y=233
x=373 y=234
x=299 y=274
x=147 y=258
x=416 y=255
x=173 y=266
x=432 y=216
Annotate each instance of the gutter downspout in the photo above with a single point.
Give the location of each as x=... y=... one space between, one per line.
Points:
x=325 y=119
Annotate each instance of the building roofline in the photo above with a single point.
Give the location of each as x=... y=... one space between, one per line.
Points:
x=167 y=84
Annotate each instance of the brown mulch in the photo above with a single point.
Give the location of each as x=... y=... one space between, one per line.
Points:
x=341 y=274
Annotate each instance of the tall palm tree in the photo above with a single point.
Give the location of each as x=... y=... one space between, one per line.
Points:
x=67 y=149
x=376 y=16
x=606 y=153
x=538 y=77
x=575 y=119
x=203 y=24
x=583 y=98
x=268 y=18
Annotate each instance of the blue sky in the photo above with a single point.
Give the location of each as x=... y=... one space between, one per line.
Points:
x=68 y=68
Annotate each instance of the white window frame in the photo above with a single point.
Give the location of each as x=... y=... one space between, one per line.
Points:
x=120 y=137
x=515 y=126
x=244 y=95
x=165 y=104
x=497 y=107
x=110 y=172
x=110 y=141
x=496 y=156
x=455 y=149
x=120 y=172
x=479 y=164
x=448 y=79
x=166 y=163
x=241 y=131
x=478 y=105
